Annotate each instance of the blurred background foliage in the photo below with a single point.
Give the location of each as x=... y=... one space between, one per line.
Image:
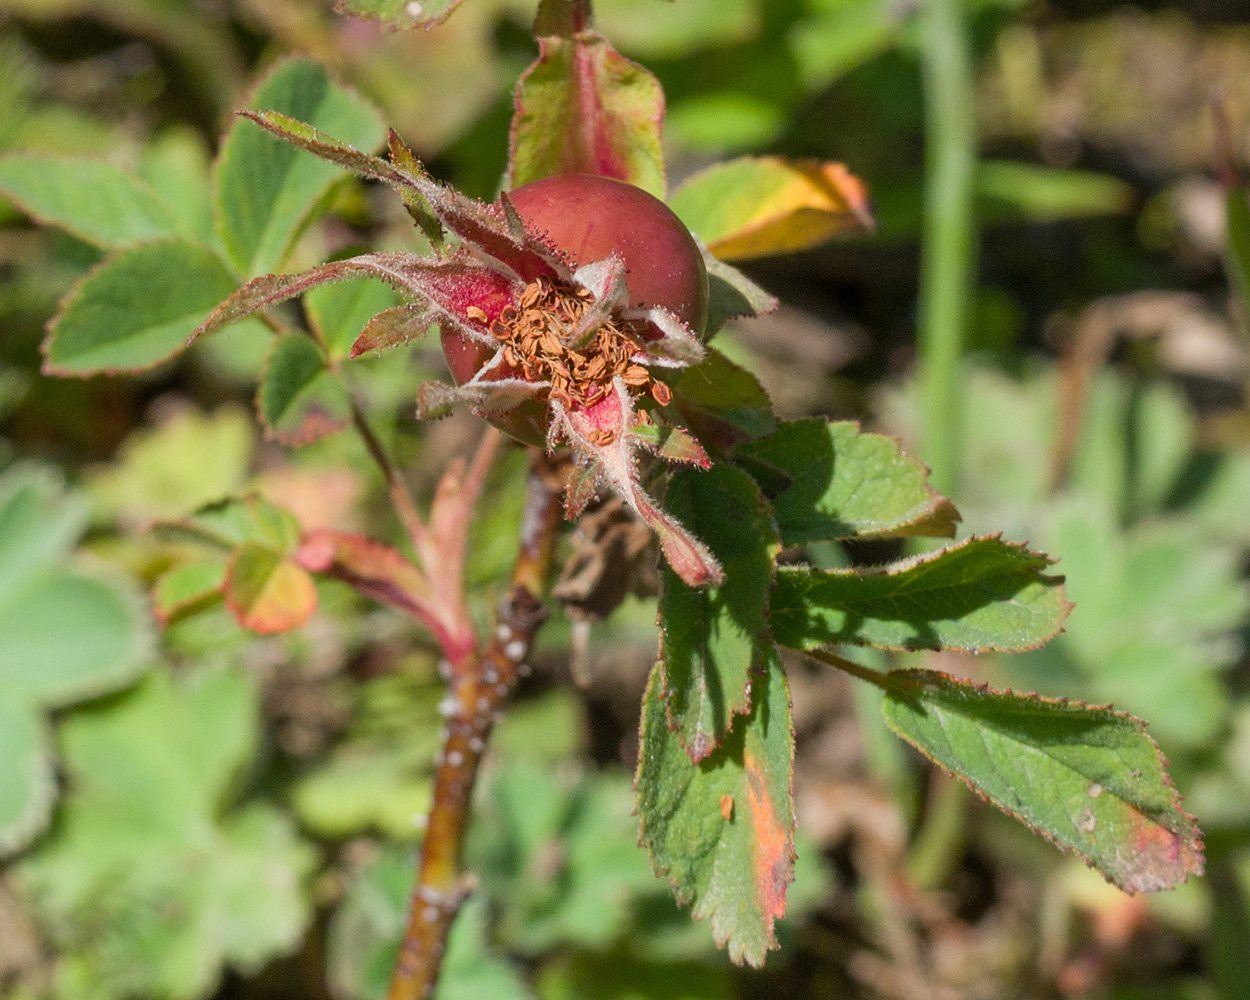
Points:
x=213 y=815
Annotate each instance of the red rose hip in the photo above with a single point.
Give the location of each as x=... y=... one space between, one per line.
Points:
x=589 y=218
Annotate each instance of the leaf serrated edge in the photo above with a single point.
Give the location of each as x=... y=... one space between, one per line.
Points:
x=763 y=640
x=51 y=368
x=894 y=681
x=902 y=565
x=180 y=234
x=238 y=116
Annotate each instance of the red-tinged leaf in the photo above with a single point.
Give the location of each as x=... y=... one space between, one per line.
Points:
x=757 y=206
x=187 y=589
x=673 y=444
x=382 y=573
x=1087 y=778
x=583 y=108
x=268 y=592
x=714 y=639
x=731 y=865
x=392 y=327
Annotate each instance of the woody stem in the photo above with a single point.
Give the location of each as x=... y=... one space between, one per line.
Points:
x=479 y=689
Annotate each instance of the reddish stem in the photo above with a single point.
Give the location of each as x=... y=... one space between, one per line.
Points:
x=480 y=687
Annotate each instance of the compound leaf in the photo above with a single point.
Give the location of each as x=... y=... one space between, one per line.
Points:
x=299 y=399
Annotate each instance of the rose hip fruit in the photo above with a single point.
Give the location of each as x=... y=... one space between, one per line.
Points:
x=589 y=218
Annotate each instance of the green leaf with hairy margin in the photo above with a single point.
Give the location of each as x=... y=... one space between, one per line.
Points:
x=266 y=189
x=146 y=832
x=846 y=483
x=299 y=399
x=399 y=13
x=584 y=108
x=136 y=309
x=722 y=831
x=1087 y=778
x=982 y=595
x=713 y=638
x=64 y=637
x=95 y=201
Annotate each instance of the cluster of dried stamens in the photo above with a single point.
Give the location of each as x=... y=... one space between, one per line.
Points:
x=535 y=334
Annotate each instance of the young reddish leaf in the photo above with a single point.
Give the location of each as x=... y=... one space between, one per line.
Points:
x=268 y=592
x=392 y=327
x=299 y=400
x=187 y=589
x=732 y=865
x=583 y=108
x=713 y=639
x=1087 y=778
x=382 y=573
x=848 y=484
x=756 y=206
x=982 y=595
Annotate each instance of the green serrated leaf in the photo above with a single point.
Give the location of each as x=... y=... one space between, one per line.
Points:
x=147 y=886
x=713 y=639
x=136 y=309
x=265 y=189
x=582 y=107
x=339 y=312
x=1087 y=778
x=981 y=595
x=299 y=399
x=63 y=637
x=848 y=484
x=722 y=831
x=96 y=201
x=399 y=13
x=268 y=592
